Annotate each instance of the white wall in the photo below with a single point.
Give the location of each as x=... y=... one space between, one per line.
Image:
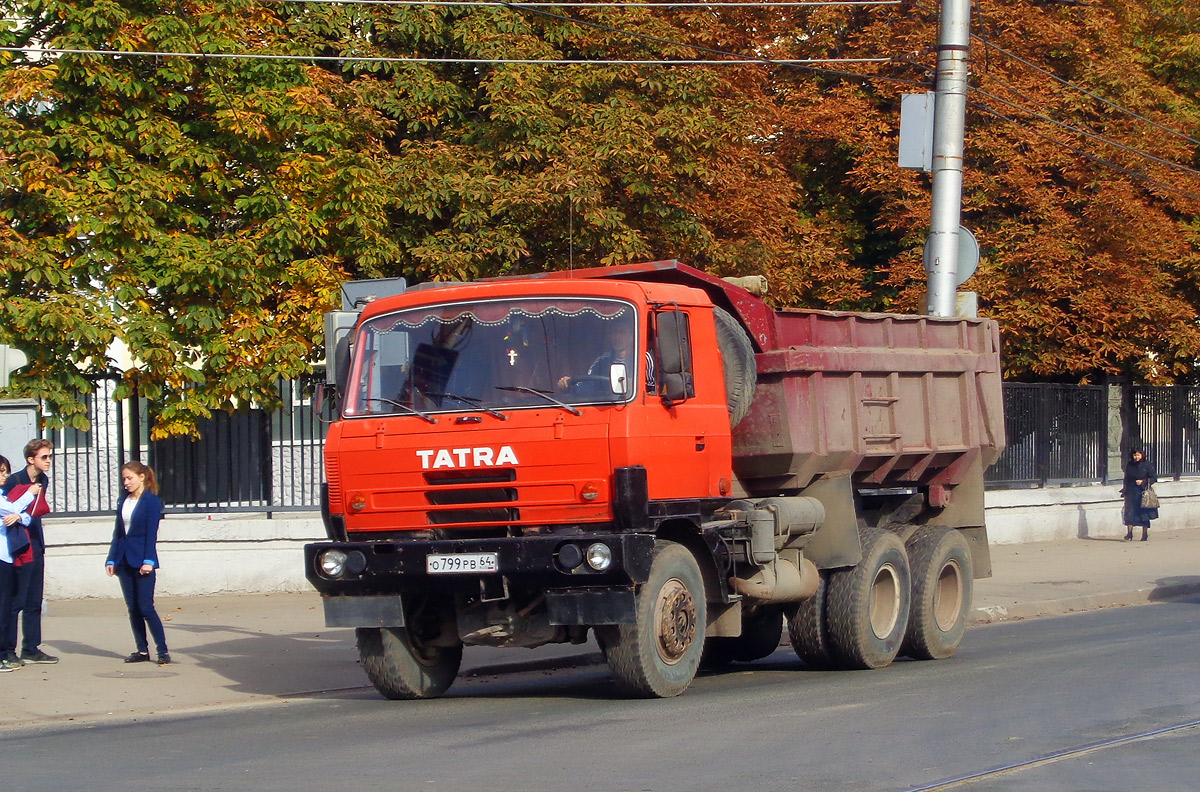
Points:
x=248 y=553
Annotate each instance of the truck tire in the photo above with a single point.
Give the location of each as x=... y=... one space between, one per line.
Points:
x=867 y=605
x=737 y=360
x=761 y=634
x=659 y=656
x=942 y=578
x=399 y=668
x=807 y=629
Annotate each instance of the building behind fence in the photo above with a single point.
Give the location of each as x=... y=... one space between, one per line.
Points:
x=255 y=461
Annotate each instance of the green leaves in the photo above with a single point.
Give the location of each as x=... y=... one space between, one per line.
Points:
x=202 y=212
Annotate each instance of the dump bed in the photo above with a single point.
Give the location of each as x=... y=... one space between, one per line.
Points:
x=895 y=400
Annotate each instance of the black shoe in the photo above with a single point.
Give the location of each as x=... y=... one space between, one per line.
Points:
x=38 y=657
x=138 y=657
x=164 y=659
x=12 y=661
x=1129 y=536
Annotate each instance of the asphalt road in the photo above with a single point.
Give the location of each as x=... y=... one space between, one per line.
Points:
x=1105 y=700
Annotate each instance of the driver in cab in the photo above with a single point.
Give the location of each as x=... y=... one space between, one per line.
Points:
x=620 y=350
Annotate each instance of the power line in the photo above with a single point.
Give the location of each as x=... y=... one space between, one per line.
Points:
x=1140 y=177
x=737 y=61
x=1084 y=91
x=598 y=4
x=1086 y=133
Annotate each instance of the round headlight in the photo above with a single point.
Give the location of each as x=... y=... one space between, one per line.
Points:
x=599 y=556
x=333 y=563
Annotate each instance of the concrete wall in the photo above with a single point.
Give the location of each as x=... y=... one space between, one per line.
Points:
x=248 y=553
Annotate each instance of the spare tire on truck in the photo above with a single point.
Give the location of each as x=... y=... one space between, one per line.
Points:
x=737 y=360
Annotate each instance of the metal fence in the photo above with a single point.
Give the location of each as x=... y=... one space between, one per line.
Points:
x=1057 y=434
x=252 y=460
x=248 y=460
x=1165 y=423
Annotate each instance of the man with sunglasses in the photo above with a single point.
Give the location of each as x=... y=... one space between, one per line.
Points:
x=31 y=577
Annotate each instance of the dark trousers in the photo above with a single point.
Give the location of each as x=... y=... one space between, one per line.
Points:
x=31 y=579
x=10 y=595
x=139 y=598
x=17 y=596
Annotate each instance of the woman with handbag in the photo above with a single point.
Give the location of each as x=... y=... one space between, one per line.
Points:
x=133 y=558
x=1141 y=503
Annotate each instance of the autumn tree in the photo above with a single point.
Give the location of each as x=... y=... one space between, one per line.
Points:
x=203 y=209
x=1080 y=177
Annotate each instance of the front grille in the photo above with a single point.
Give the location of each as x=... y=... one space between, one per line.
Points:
x=470 y=488
x=502 y=516
x=458 y=497
x=488 y=476
x=333 y=477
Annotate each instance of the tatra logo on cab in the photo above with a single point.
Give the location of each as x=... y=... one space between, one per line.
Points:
x=467 y=457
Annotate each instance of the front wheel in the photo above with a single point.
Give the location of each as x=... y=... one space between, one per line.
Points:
x=942 y=575
x=867 y=608
x=659 y=655
x=402 y=668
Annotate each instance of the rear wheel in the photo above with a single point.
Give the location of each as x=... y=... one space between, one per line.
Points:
x=761 y=633
x=659 y=655
x=868 y=604
x=401 y=667
x=810 y=637
x=942 y=575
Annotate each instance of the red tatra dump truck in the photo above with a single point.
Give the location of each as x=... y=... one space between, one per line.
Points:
x=653 y=454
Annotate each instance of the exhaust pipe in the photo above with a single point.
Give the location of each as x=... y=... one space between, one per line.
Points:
x=780 y=581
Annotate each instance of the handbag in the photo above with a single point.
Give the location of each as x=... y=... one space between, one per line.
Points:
x=18 y=539
x=38 y=508
x=1149 y=498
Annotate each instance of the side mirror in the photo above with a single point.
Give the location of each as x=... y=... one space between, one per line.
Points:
x=325 y=402
x=670 y=342
x=674 y=388
x=341 y=363
x=618 y=378
x=674 y=357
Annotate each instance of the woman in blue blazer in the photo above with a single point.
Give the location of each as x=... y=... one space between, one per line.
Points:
x=133 y=557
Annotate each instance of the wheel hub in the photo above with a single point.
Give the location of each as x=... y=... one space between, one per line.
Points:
x=675 y=618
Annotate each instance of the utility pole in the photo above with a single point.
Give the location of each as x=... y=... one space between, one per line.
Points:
x=950 y=112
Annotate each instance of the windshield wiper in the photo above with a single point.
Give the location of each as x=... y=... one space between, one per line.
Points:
x=543 y=394
x=406 y=408
x=471 y=402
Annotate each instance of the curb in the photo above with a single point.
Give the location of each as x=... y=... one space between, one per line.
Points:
x=993 y=614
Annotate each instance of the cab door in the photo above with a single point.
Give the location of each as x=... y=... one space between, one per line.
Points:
x=680 y=431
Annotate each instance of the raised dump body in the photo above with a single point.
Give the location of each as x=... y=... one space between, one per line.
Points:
x=894 y=400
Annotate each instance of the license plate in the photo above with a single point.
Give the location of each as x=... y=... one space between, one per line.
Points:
x=462 y=563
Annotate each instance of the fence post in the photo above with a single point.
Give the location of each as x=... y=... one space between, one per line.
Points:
x=1178 y=407
x=1115 y=432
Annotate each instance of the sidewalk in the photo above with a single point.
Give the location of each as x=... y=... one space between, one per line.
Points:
x=251 y=650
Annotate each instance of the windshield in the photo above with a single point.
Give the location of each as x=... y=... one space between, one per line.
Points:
x=498 y=354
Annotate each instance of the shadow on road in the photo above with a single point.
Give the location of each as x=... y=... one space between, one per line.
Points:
x=1176 y=587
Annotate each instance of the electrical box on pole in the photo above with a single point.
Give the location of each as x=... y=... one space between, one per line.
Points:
x=916 y=131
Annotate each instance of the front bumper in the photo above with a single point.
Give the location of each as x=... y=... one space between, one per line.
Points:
x=530 y=563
